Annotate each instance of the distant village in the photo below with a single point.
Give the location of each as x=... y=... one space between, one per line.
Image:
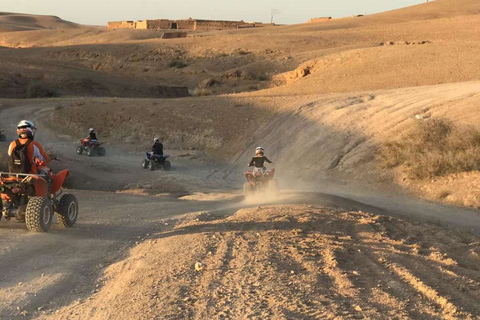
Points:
x=198 y=24
x=186 y=24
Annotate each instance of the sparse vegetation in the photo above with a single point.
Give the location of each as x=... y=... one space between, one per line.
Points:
x=37 y=89
x=242 y=52
x=436 y=147
x=179 y=64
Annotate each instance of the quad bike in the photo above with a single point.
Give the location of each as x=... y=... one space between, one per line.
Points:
x=31 y=199
x=3 y=137
x=260 y=182
x=156 y=161
x=91 y=148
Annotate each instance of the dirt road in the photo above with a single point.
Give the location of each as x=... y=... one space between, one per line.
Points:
x=320 y=258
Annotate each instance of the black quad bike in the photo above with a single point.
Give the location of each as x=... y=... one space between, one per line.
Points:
x=156 y=162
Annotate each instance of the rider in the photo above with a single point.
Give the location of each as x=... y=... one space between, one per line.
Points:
x=259 y=161
x=157 y=148
x=25 y=154
x=92 y=136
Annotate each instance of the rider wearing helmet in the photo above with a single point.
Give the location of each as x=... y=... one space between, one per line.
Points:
x=157 y=148
x=92 y=136
x=25 y=154
x=258 y=161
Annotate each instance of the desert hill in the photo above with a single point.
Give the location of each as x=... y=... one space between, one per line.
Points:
x=432 y=43
x=23 y=22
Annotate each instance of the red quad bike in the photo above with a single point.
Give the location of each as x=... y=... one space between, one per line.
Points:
x=91 y=148
x=260 y=182
x=29 y=198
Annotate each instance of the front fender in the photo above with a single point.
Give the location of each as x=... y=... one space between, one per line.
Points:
x=58 y=180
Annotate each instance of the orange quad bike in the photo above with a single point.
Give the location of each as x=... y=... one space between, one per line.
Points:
x=33 y=198
x=260 y=182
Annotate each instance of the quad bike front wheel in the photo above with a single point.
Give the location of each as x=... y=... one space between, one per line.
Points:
x=39 y=214
x=67 y=210
x=101 y=151
x=167 y=165
x=79 y=150
x=90 y=152
x=145 y=163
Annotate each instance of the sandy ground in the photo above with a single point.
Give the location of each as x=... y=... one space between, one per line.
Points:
x=345 y=239
x=291 y=262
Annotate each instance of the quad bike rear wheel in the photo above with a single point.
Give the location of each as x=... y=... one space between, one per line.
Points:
x=145 y=163
x=167 y=165
x=79 y=150
x=90 y=152
x=67 y=210
x=102 y=151
x=39 y=214
x=248 y=190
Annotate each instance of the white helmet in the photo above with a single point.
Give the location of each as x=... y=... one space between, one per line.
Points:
x=91 y=130
x=259 y=150
x=156 y=139
x=26 y=129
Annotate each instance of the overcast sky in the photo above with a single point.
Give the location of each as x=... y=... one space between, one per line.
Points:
x=99 y=12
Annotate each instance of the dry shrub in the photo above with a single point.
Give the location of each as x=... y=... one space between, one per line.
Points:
x=179 y=64
x=36 y=89
x=434 y=148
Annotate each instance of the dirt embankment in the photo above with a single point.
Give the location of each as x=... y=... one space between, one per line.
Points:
x=307 y=137
x=284 y=262
x=218 y=127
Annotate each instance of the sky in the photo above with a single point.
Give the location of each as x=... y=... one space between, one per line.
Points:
x=99 y=12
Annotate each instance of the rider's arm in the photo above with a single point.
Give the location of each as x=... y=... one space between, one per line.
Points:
x=11 y=147
x=41 y=152
x=252 y=162
x=266 y=159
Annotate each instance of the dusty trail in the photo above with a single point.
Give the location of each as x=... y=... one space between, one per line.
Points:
x=292 y=262
x=58 y=275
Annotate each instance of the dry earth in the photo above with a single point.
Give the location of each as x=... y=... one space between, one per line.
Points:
x=291 y=262
x=432 y=43
x=321 y=98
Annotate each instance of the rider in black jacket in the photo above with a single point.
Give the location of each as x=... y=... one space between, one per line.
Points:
x=157 y=147
x=259 y=160
x=92 y=136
